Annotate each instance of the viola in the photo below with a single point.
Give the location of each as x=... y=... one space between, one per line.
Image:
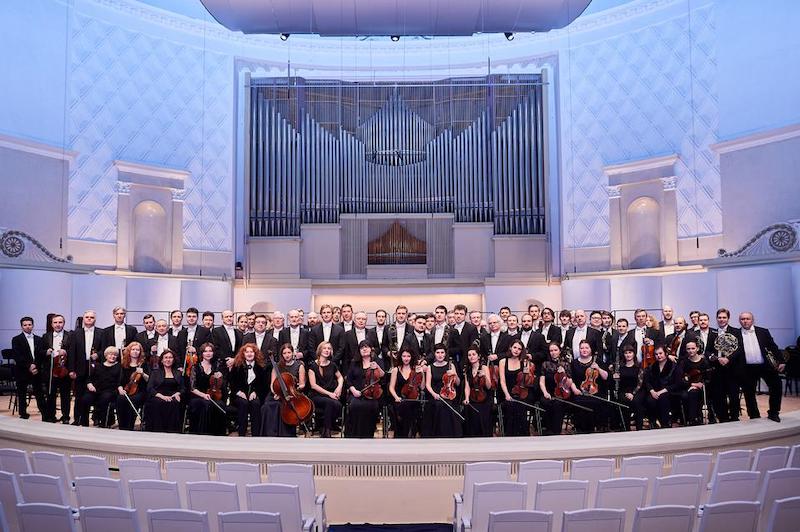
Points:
x=563 y=389
x=215 y=387
x=60 y=370
x=589 y=384
x=296 y=407
x=519 y=389
x=132 y=385
x=373 y=388
x=153 y=360
x=448 y=390
x=411 y=388
x=530 y=374
x=477 y=389
x=693 y=376
x=648 y=355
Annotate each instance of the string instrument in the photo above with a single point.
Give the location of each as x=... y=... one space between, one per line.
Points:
x=153 y=359
x=448 y=390
x=563 y=389
x=693 y=376
x=411 y=388
x=589 y=384
x=215 y=387
x=373 y=388
x=477 y=389
x=674 y=346
x=59 y=366
x=648 y=355
x=132 y=386
x=296 y=407
x=189 y=362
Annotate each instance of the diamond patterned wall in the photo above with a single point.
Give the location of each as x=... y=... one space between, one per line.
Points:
x=142 y=98
x=634 y=96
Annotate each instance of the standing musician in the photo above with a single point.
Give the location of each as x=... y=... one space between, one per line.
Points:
x=579 y=333
x=57 y=380
x=462 y=335
x=661 y=381
x=645 y=335
x=164 y=390
x=298 y=336
x=205 y=379
x=533 y=340
x=630 y=386
x=550 y=331
x=676 y=342
x=494 y=343
x=695 y=369
x=326 y=383
x=548 y=384
x=133 y=363
x=120 y=334
x=419 y=341
x=364 y=385
x=706 y=340
x=478 y=386
x=146 y=336
x=726 y=374
x=378 y=336
x=406 y=378
x=353 y=338
x=227 y=339
x=514 y=370
x=762 y=359
x=82 y=356
x=589 y=380
x=100 y=389
x=29 y=353
x=327 y=331
x=441 y=420
x=193 y=334
x=248 y=384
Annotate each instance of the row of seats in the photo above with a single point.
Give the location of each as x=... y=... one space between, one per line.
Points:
x=35 y=517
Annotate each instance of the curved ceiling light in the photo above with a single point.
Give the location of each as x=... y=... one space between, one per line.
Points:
x=383 y=17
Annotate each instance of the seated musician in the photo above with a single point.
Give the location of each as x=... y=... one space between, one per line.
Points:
x=660 y=381
x=695 y=371
x=101 y=389
x=513 y=370
x=478 y=387
x=129 y=404
x=364 y=385
x=248 y=385
x=588 y=391
x=441 y=419
x=206 y=414
x=630 y=386
x=407 y=409
x=326 y=383
x=163 y=409
x=549 y=382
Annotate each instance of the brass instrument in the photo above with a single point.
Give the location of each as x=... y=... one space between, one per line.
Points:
x=725 y=345
x=393 y=347
x=773 y=360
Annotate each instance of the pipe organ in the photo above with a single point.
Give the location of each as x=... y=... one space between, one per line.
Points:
x=468 y=147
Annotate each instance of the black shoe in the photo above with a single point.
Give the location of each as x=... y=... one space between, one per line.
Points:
x=75 y=423
x=65 y=420
x=757 y=416
x=24 y=415
x=774 y=417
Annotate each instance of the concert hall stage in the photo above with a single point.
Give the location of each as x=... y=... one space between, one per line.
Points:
x=396 y=481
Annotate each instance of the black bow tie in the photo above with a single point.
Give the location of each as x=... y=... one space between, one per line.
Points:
x=249 y=366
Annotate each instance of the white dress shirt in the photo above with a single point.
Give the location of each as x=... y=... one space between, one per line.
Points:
x=669 y=328
x=379 y=334
x=640 y=334
x=175 y=331
x=494 y=337
x=580 y=334
x=58 y=339
x=260 y=339
x=460 y=327
x=438 y=333
x=326 y=331
x=251 y=374
x=347 y=325
x=231 y=335
x=88 y=334
x=29 y=338
x=401 y=333
x=361 y=334
x=163 y=344
x=190 y=332
x=119 y=336
x=294 y=335
x=752 y=351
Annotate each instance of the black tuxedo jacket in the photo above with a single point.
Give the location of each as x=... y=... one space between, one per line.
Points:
x=317 y=336
x=222 y=343
x=381 y=347
x=303 y=341
x=737 y=362
x=65 y=341
x=76 y=360
x=349 y=351
x=141 y=337
x=110 y=341
x=553 y=333
x=201 y=336
x=765 y=342
x=503 y=343
x=708 y=348
x=615 y=346
x=22 y=352
x=250 y=338
x=458 y=344
x=537 y=347
x=592 y=336
x=682 y=349
x=425 y=352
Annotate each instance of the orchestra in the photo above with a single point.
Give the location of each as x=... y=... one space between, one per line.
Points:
x=419 y=374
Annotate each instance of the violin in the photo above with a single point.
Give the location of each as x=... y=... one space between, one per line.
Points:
x=693 y=376
x=59 y=366
x=296 y=407
x=589 y=384
x=373 y=388
x=132 y=385
x=448 y=390
x=153 y=360
x=648 y=355
x=190 y=361
x=563 y=389
x=674 y=346
x=215 y=387
x=413 y=385
x=477 y=389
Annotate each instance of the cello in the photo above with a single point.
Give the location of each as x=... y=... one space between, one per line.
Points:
x=296 y=408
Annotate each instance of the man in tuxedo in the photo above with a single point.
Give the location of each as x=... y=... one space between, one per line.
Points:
x=619 y=339
x=462 y=335
x=398 y=330
x=533 y=340
x=504 y=313
x=728 y=370
x=494 y=343
x=313 y=320
x=297 y=336
x=440 y=327
x=351 y=340
x=146 y=336
x=251 y=322
x=512 y=326
x=550 y=331
x=347 y=316
x=667 y=323
x=705 y=337
x=56 y=342
x=120 y=334
x=87 y=343
x=327 y=331
x=208 y=320
x=694 y=318
x=564 y=325
x=378 y=336
x=419 y=342
x=475 y=318
x=176 y=319
x=165 y=340
x=645 y=335
x=536 y=315
x=29 y=354
x=679 y=337
x=580 y=332
x=227 y=339
x=193 y=334
x=259 y=336
x=756 y=342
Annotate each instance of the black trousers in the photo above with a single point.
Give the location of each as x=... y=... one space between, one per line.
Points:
x=80 y=390
x=60 y=388
x=327 y=411
x=245 y=408
x=127 y=417
x=750 y=377
x=23 y=378
x=723 y=387
x=102 y=401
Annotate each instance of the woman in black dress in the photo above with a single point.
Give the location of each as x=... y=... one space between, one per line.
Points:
x=440 y=418
x=662 y=381
x=630 y=386
x=586 y=422
x=695 y=371
x=271 y=423
x=326 y=384
x=129 y=405
x=553 y=409
x=206 y=416
x=101 y=389
x=163 y=406
x=477 y=385
x=407 y=409
x=515 y=415
x=248 y=383
x=362 y=411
